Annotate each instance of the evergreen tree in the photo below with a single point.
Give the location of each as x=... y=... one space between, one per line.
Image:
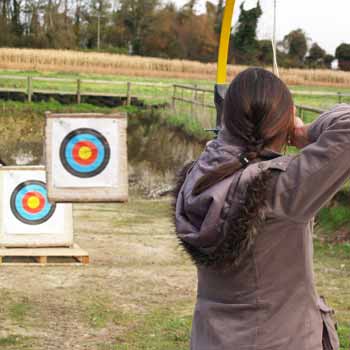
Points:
x=343 y=56
x=316 y=57
x=296 y=45
x=244 y=45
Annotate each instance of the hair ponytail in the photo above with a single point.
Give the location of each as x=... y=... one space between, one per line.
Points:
x=258 y=111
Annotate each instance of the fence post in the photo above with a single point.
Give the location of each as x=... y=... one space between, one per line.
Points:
x=173 y=104
x=78 y=91
x=300 y=113
x=339 y=97
x=128 y=93
x=194 y=96
x=29 y=88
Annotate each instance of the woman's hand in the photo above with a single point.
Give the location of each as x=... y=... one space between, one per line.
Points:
x=300 y=138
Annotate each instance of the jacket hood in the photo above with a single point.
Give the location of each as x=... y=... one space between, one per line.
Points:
x=213 y=226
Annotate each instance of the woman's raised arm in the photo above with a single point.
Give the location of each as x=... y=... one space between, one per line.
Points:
x=319 y=170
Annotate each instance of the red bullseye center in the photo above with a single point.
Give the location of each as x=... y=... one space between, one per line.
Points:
x=85 y=152
x=33 y=202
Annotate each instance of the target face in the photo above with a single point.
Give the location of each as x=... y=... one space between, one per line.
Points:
x=29 y=203
x=85 y=153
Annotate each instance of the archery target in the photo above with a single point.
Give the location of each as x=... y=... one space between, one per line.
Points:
x=86 y=157
x=27 y=217
x=85 y=153
x=29 y=203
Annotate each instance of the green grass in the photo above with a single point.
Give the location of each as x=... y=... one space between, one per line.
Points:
x=322 y=102
x=151 y=94
x=9 y=340
x=161 y=328
x=99 y=314
x=319 y=88
x=335 y=217
x=191 y=126
x=18 y=312
x=17 y=342
x=14 y=108
x=343 y=332
x=332 y=266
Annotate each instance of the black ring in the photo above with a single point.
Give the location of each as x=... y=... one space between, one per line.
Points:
x=18 y=215
x=101 y=138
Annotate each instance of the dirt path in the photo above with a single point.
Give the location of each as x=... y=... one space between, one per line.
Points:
x=135 y=268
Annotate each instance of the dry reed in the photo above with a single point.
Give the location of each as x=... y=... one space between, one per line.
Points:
x=105 y=63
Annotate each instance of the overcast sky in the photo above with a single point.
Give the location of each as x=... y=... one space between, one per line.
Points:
x=327 y=23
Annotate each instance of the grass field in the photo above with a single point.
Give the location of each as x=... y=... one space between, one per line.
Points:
x=137 y=293
x=77 y=61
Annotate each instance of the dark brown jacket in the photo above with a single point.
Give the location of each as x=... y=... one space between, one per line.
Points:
x=251 y=238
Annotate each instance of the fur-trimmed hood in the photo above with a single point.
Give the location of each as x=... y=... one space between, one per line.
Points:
x=219 y=226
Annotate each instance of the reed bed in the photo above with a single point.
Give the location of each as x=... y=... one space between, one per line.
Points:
x=105 y=63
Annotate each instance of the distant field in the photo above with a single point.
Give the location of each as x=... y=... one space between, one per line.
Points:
x=104 y=63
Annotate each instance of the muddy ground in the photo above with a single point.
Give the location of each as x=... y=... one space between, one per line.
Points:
x=137 y=293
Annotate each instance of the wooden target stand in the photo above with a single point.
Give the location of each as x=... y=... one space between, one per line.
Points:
x=44 y=256
x=22 y=243
x=54 y=247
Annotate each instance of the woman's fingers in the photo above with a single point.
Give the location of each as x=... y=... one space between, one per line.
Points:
x=300 y=136
x=298 y=123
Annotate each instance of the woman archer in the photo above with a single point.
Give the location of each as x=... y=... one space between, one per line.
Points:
x=244 y=213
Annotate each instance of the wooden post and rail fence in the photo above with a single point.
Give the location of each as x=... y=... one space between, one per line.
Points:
x=192 y=95
x=301 y=109
x=124 y=88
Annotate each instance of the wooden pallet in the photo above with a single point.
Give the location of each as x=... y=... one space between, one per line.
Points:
x=44 y=256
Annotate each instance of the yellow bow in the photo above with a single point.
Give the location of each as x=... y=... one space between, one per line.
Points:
x=224 y=42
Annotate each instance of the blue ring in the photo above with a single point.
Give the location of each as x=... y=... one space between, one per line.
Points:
x=79 y=167
x=16 y=203
x=81 y=170
x=19 y=201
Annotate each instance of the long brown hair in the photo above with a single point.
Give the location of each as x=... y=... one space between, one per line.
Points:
x=258 y=112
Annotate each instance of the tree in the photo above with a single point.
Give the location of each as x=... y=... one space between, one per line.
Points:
x=219 y=15
x=316 y=57
x=7 y=36
x=162 y=40
x=244 y=44
x=265 y=55
x=295 y=43
x=139 y=17
x=316 y=52
x=328 y=60
x=16 y=25
x=342 y=53
x=58 y=32
x=35 y=35
x=97 y=15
